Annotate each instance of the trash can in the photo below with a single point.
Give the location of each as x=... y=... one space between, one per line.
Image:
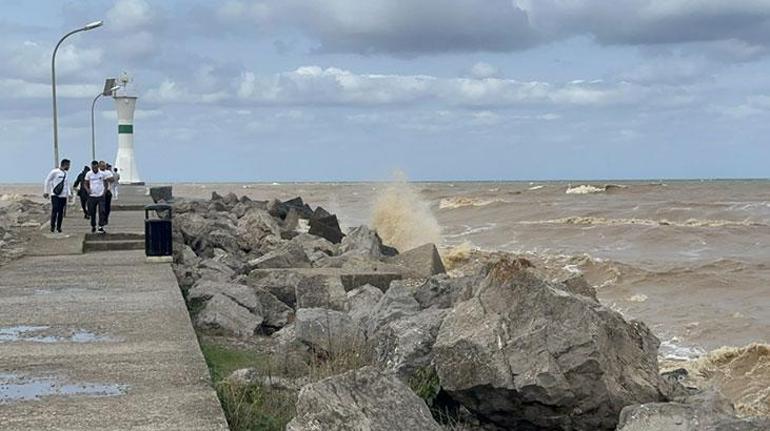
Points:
x=157 y=231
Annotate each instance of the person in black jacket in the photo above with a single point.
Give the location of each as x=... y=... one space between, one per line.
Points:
x=82 y=193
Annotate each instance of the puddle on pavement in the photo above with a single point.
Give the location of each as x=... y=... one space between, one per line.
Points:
x=26 y=388
x=45 y=334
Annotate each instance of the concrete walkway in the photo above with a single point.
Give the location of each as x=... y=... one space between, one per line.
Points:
x=100 y=341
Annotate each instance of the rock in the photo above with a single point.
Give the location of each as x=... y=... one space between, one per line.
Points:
x=397 y=303
x=253 y=227
x=224 y=240
x=321 y=291
x=578 y=285
x=444 y=292
x=302 y=209
x=406 y=345
x=289 y=255
x=363 y=241
x=232 y=261
x=312 y=244
x=423 y=261
x=388 y=251
x=327 y=227
x=187 y=256
x=282 y=284
x=327 y=330
x=254 y=376
x=361 y=301
x=291 y=222
x=276 y=313
x=363 y=399
x=703 y=412
x=242 y=295
x=231 y=199
x=209 y=266
x=161 y=194
x=321 y=213
x=193 y=226
x=216 y=197
x=223 y=314
x=527 y=354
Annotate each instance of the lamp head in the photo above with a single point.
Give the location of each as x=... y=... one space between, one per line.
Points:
x=93 y=25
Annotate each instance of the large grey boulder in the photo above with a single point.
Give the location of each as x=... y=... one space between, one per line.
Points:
x=361 y=301
x=703 y=412
x=162 y=194
x=223 y=239
x=321 y=291
x=363 y=241
x=361 y=400
x=192 y=225
x=442 y=291
x=423 y=261
x=244 y=296
x=526 y=354
x=406 y=345
x=254 y=226
x=327 y=330
x=276 y=313
x=222 y=314
x=282 y=284
x=397 y=303
x=288 y=255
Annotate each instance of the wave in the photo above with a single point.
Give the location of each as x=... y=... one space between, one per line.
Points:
x=463 y=201
x=742 y=374
x=602 y=221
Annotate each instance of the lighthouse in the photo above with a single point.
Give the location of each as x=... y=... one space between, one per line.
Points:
x=125 y=160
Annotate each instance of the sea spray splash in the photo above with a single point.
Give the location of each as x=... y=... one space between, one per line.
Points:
x=402 y=218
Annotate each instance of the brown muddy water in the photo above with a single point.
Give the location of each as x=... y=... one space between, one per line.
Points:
x=689 y=258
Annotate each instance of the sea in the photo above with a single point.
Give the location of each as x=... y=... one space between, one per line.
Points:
x=691 y=259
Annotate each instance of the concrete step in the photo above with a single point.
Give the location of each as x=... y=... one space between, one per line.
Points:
x=90 y=246
x=115 y=237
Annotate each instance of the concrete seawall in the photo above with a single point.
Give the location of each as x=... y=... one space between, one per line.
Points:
x=99 y=341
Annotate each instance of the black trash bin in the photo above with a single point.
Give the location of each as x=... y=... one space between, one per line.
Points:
x=157 y=231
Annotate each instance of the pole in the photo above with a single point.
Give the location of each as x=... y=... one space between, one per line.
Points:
x=87 y=27
x=93 y=134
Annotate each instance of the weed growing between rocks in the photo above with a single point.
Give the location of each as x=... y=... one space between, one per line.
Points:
x=251 y=407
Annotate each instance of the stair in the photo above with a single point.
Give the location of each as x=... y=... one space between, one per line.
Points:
x=113 y=242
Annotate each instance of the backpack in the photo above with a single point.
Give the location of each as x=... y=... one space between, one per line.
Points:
x=60 y=187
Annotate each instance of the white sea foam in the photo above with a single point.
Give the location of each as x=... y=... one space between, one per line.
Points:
x=584 y=190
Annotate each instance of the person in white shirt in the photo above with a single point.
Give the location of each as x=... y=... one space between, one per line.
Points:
x=96 y=186
x=115 y=185
x=109 y=180
x=57 y=186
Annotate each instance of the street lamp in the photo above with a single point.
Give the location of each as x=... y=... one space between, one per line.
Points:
x=89 y=26
x=109 y=89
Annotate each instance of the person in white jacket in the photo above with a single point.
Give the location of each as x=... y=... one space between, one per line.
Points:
x=57 y=187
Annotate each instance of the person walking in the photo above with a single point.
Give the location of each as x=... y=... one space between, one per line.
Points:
x=109 y=178
x=57 y=187
x=116 y=184
x=82 y=193
x=96 y=186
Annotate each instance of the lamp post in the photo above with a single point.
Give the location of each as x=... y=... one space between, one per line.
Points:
x=89 y=26
x=107 y=91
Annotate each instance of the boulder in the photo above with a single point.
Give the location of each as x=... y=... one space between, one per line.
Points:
x=423 y=261
x=290 y=223
x=327 y=330
x=326 y=227
x=362 y=241
x=244 y=296
x=193 y=225
x=361 y=301
x=704 y=412
x=222 y=314
x=397 y=303
x=578 y=285
x=253 y=227
x=321 y=291
x=527 y=354
x=406 y=345
x=282 y=284
x=223 y=239
x=288 y=255
x=162 y=194
x=320 y=213
x=363 y=399
x=276 y=313
x=443 y=291
x=233 y=261
x=313 y=244
x=217 y=269
x=302 y=209
x=231 y=199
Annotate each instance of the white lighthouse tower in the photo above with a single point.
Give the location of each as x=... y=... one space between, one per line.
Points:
x=125 y=160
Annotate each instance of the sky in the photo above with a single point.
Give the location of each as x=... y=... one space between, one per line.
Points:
x=349 y=90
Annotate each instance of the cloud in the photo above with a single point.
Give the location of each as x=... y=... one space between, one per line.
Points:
x=484 y=70
x=408 y=27
x=392 y=26
x=21 y=89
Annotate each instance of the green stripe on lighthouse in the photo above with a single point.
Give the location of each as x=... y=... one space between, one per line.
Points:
x=126 y=128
